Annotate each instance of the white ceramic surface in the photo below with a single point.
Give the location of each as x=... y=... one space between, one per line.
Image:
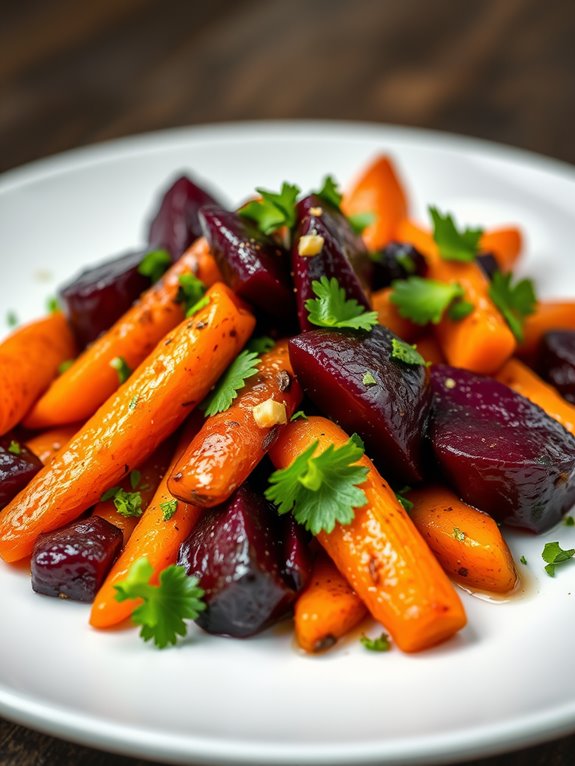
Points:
x=505 y=681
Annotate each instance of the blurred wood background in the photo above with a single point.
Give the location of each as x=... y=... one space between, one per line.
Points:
x=76 y=73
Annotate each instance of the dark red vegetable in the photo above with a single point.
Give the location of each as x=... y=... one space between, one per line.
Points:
x=502 y=453
x=235 y=552
x=175 y=225
x=73 y=561
x=556 y=363
x=397 y=260
x=343 y=255
x=353 y=379
x=488 y=264
x=296 y=557
x=18 y=465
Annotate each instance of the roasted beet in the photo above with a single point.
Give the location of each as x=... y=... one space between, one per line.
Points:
x=253 y=265
x=236 y=553
x=18 y=465
x=487 y=262
x=72 y=562
x=342 y=255
x=99 y=296
x=502 y=453
x=557 y=361
x=353 y=379
x=176 y=225
x=296 y=557
x=397 y=260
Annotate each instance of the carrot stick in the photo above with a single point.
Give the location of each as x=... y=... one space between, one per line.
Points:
x=549 y=315
x=379 y=191
x=430 y=350
x=230 y=445
x=505 y=244
x=520 y=378
x=482 y=341
x=389 y=316
x=132 y=338
x=29 y=361
x=466 y=542
x=131 y=424
x=46 y=444
x=155 y=537
x=381 y=554
x=327 y=609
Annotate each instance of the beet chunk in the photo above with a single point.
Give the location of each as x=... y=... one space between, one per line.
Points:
x=343 y=255
x=252 y=264
x=296 y=557
x=397 y=260
x=557 y=361
x=487 y=262
x=73 y=561
x=176 y=224
x=389 y=414
x=18 y=466
x=235 y=552
x=99 y=296
x=501 y=452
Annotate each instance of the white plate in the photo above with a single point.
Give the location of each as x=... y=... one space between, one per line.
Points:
x=504 y=682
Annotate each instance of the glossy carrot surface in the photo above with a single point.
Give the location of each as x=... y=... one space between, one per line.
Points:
x=46 y=444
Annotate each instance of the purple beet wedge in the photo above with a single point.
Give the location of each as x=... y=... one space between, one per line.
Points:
x=176 y=224
x=353 y=379
x=556 y=361
x=296 y=556
x=397 y=260
x=235 y=551
x=487 y=262
x=343 y=255
x=501 y=452
x=18 y=466
x=99 y=296
x=72 y=562
x=252 y=264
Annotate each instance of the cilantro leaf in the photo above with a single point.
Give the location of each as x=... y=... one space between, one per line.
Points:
x=569 y=521
x=331 y=308
x=299 y=415
x=515 y=302
x=126 y=503
x=155 y=264
x=119 y=364
x=379 y=644
x=15 y=448
x=274 y=209
x=165 y=606
x=135 y=478
x=460 y=310
x=554 y=554
x=234 y=378
x=11 y=319
x=403 y=500
x=404 y=352
x=52 y=305
x=523 y=560
x=321 y=491
x=65 y=366
x=453 y=244
x=368 y=379
x=190 y=292
x=168 y=508
x=261 y=345
x=424 y=300
x=329 y=192
x=360 y=221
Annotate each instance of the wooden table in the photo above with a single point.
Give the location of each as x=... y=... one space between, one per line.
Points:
x=75 y=73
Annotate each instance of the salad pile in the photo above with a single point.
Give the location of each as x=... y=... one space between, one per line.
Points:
x=309 y=405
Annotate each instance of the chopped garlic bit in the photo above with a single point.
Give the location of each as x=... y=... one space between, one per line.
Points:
x=310 y=244
x=269 y=413
x=316 y=211
x=449 y=383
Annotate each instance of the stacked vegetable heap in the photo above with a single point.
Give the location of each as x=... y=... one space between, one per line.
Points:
x=205 y=456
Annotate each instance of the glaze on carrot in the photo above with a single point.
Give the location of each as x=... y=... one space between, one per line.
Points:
x=131 y=424
x=549 y=315
x=381 y=554
x=505 y=244
x=46 y=444
x=389 y=316
x=29 y=361
x=81 y=389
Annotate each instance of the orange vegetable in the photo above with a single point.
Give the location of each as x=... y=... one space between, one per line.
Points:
x=29 y=361
x=327 y=609
x=381 y=554
x=482 y=341
x=155 y=537
x=230 y=444
x=505 y=244
x=467 y=542
x=45 y=445
x=379 y=191
x=78 y=392
x=549 y=315
x=520 y=378
x=131 y=424
x=389 y=316
x=430 y=350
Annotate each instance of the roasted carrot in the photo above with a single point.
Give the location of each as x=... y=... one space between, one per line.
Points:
x=520 y=378
x=379 y=191
x=549 y=315
x=327 y=609
x=430 y=350
x=389 y=316
x=466 y=542
x=381 y=554
x=482 y=341
x=29 y=361
x=505 y=244
x=46 y=444
x=230 y=445
x=81 y=389
x=156 y=537
x=131 y=424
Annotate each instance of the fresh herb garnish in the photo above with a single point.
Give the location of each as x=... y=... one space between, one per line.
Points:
x=368 y=379
x=554 y=554
x=202 y=303
x=329 y=192
x=168 y=508
x=453 y=244
x=165 y=606
x=331 y=308
x=126 y=503
x=299 y=415
x=360 y=221
x=52 y=305
x=569 y=521
x=402 y=498
x=190 y=292
x=406 y=353
x=274 y=209
x=458 y=534
x=523 y=560
x=155 y=264
x=515 y=302
x=425 y=300
x=65 y=366
x=135 y=478
x=379 y=644
x=119 y=364
x=15 y=448
x=11 y=319
x=233 y=380
x=321 y=490
x=261 y=345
